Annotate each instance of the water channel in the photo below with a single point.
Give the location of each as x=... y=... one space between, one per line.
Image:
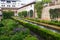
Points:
x=53 y=30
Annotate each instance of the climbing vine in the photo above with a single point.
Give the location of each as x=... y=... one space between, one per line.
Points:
x=54 y=13
x=38 y=7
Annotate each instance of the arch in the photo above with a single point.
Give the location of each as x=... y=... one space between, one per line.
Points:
x=31 y=13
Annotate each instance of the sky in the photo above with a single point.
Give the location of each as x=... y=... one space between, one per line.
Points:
x=27 y=1
x=39 y=0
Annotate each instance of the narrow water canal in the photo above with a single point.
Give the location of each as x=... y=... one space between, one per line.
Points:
x=43 y=26
x=37 y=35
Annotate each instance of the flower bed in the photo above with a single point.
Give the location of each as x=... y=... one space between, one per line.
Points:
x=12 y=30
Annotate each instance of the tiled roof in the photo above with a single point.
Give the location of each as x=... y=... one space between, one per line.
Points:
x=20 y=7
x=27 y=5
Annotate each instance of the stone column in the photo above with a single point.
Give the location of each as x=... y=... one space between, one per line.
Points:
x=33 y=14
x=15 y=13
x=45 y=14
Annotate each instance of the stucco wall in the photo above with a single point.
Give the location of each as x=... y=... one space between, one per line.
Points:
x=27 y=8
x=45 y=12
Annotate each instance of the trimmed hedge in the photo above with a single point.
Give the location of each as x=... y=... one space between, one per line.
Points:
x=47 y=22
x=54 y=13
x=22 y=14
x=7 y=14
x=46 y=34
x=1 y=25
x=29 y=37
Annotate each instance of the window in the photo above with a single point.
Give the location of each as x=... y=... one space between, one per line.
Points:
x=8 y=1
x=2 y=5
x=22 y=4
x=31 y=5
x=13 y=5
x=2 y=0
x=8 y=5
x=13 y=1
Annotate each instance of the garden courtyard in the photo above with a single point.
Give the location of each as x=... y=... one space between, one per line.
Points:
x=30 y=25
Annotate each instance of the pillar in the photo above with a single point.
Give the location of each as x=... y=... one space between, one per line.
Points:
x=15 y=13
x=45 y=14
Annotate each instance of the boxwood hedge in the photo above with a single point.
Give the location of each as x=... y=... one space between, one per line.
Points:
x=46 y=34
x=47 y=22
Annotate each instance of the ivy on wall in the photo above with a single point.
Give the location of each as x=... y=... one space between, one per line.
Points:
x=55 y=13
x=39 y=7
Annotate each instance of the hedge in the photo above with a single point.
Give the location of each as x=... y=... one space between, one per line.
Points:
x=47 y=22
x=46 y=34
x=54 y=13
x=1 y=25
x=29 y=37
x=7 y=14
x=12 y=30
x=22 y=14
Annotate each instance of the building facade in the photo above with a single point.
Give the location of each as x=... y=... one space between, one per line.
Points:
x=55 y=4
x=56 y=1
x=10 y=3
x=16 y=5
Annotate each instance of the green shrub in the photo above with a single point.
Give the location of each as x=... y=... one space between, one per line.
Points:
x=46 y=34
x=29 y=37
x=21 y=35
x=57 y=23
x=13 y=30
x=7 y=14
x=1 y=25
x=24 y=13
x=18 y=36
x=39 y=7
x=9 y=24
x=4 y=37
x=20 y=14
x=55 y=13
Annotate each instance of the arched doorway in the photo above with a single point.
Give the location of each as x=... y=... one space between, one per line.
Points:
x=31 y=13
